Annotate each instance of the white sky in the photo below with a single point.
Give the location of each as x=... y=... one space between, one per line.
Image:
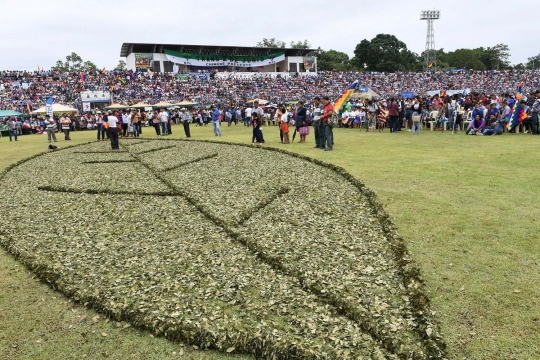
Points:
x=41 y=32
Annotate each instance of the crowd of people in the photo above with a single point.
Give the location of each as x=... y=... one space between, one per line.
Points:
x=483 y=107
x=25 y=91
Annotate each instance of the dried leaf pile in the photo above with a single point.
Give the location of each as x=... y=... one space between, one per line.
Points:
x=226 y=247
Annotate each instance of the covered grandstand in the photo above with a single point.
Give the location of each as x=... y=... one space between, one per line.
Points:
x=192 y=58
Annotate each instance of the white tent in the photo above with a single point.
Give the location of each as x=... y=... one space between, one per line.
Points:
x=57 y=108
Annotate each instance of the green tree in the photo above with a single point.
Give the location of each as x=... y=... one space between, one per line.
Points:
x=384 y=53
x=301 y=44
x=89 y=65
x=466 y=58
x=74 y=61
x=332 y=60
x=271 y=43
x=533 y=62
x=121 y=65
x=60 y=66
x=496 y=57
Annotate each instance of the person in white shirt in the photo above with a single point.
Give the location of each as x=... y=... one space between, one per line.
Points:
x=247 y=118
x=344 y=118
x=112 y=130
x=99 y=126
x=164 y=119
x=125 y=122
x=352 y=116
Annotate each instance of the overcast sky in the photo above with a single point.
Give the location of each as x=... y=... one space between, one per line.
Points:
x=41 y=32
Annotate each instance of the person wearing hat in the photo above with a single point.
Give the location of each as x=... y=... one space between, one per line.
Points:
x=50 y=126
x=185 y=118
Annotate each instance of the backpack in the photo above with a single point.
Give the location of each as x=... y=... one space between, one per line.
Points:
x=334 y=120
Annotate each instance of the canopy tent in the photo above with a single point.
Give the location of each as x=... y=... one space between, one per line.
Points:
x=140 y=105
x=261 y=101
x=57 y=108
x=162 y=104
x=116 y=107
x=185 y=103
x=6 y=113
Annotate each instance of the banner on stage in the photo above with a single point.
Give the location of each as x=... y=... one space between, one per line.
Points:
x=96 y=96
x=309 y=62
x=143 y=60
x=222 y=60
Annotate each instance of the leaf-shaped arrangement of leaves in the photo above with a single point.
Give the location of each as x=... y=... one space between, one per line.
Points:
x=223 y=246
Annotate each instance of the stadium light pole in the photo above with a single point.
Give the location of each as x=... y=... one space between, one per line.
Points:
x=430 y=55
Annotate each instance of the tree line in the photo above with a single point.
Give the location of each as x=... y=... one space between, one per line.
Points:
x=383 y=53
x=386 y=53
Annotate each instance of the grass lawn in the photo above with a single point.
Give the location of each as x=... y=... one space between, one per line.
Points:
x=467 y=207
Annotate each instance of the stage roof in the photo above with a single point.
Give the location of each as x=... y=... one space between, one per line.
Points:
x=128 y=48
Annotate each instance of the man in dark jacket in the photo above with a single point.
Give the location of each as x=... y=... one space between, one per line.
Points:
x=300 y=120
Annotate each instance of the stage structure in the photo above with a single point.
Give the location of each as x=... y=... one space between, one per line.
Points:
x=430 y=54
x=202 y=58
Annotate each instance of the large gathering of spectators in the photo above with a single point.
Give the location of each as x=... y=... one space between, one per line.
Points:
x=25 y=91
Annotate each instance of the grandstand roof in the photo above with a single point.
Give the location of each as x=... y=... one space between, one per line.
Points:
x=128 y=48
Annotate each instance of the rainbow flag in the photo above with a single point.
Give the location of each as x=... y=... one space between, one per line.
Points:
x=517 y=117
x=346 y=96
x=517 y=113
x=122 y=80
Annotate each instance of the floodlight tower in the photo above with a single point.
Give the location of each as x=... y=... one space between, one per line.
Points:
x=430 y=56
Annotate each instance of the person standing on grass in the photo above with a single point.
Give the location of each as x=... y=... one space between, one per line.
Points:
x=12 y=129
x=328 y=110
x=50 y=126
x=301 y=121
x=164 y=119
x=260 y=112
x=247 y=116
x=535 y=125
x=136 y=120
x=155 y=123
x=125 y=123
x=393 y=114
x=215 y=120
x=185 y=118
x=112 y=131
x=284 y=124
x=65 y=123
x=100 y=128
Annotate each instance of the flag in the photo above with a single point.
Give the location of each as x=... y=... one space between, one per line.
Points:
x=443 y=93
x=83 y=77
x=122 y=80
x=49 y=107
x=430 y=64
x=38 y=69
x=517 y=112
x=103 y=71
x=345 y=97
x=517 y=117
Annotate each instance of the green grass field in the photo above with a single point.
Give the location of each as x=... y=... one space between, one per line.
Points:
x=467 y=207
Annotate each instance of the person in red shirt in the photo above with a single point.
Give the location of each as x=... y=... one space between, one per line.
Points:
x=328 y=140
x=393 y=114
